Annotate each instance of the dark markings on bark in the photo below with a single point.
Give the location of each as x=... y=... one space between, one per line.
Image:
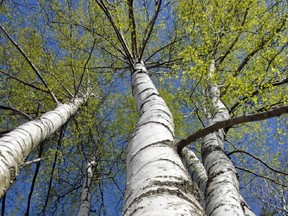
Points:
x=144 y=101
x=9 y=142
x=12 y=169
x=134 y=80
x=41 y=129
x=211 y=192
x=139 y=71
x=181 y=189
x=154 y=91
x=153 y=114
x=220 y=205
x=164 y=143
x=223 y=160
x=150 y=100
x=61 y=116
x=209 y=149
x=137 y=84
x=21 y=130
x=155 y=122
x=10 y=152
x=216 y=174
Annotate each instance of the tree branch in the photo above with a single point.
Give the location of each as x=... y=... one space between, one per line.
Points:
x=258 y=159
x=116 y=30
x=133 y=29
x=263 y=43
x=260 y=176
x=149 y=30
x=284 y=81
x=23 y=82
x=228 y=123
x=16 y=111
x=31 y=64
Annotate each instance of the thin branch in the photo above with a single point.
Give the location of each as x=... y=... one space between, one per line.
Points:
x=61 y=83
x=92 y=31
x=222 y=57
x=32 y=161
x=260 y=176
x=16 y=111
x=162 y=48
x=253 y=52
x=159 y=64
x=228 y=123
x=258 y=159
x=284 y=81
x=116 y=30
x=85 y=67
x=34 y=181
x=133 y=29
x=23 y=82
x=31 y=64
x=61 y=136
x=149 y=30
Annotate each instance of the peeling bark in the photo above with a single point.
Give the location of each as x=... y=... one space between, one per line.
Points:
x=157 y=181
x=17 y=144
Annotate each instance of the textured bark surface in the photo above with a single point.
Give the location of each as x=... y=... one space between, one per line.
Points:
x=157 y=182
x=199 y=175
x=16 y=145
x=85 y=205
x=195 y=168
x=222 y=194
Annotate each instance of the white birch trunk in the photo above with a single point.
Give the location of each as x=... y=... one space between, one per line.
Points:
x=17 y=145
x=85 y=205
x=222 y=194
x=195 y=168
x=198 y=174
x=157 y=182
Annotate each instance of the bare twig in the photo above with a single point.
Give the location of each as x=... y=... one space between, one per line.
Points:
x=32 y=161
x=260 y=176
x=258 y=159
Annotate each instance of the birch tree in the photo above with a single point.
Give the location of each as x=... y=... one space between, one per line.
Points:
x=161 y=51
x=214 y=34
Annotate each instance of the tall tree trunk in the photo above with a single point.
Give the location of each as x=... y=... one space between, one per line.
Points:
x=222 y=193
x=17 y=145
x=198 y=174
x=85 y=205
x=157 y=181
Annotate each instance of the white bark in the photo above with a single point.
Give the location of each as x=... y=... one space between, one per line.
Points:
x=195 y=168
x=199 y=175
x=222 y=190
x=157 y=182
x=16 y=145
x=85 y=205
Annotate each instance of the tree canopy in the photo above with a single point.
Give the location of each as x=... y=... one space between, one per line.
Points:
x=55 y=52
